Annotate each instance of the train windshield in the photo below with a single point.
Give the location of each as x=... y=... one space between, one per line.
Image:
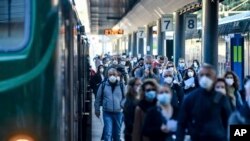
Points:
x=14 y=24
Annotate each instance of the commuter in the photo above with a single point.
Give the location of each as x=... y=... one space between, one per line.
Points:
x=98 y=61
x=221 y=86
x=243 y=91
x=111 y=96
x=160 y=65
x=122 y=75
x=128 y=66
x=134 y=71
x=190 y=81
x=196 y=65
x=97 y=79
x=204 y=113
x=177 y=91
x=177 y=76
x=242 y=116
x=181 y=68
x=148 y=71
x=161 y=121
x=134 y=61
x=148 y=99
x=233 y=89
x=132 y=99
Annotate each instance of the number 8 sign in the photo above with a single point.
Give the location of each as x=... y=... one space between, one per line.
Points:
x=167 y=23
x=191 y=22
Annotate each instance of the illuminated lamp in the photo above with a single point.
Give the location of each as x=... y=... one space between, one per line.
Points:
x=21 y=138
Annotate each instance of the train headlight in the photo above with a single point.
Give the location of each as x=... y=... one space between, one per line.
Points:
x=21 y=138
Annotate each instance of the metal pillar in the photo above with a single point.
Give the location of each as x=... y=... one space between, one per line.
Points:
x=141 y=46
x=161 y=38
x=134 y=47
x=129 y=43
x=149 y=40
x=179 y=37
x=210 y=31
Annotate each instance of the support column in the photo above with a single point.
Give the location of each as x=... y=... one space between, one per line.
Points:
x=179 y=38
x=134 y=47
x=161 y=38
x=210 y=31
x=141 y=46
x=150 y=40
x=129 y=43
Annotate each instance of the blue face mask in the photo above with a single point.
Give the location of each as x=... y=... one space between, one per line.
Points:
x=164 y=99
x=150 y=96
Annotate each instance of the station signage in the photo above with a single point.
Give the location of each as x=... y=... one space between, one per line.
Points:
x=141 y=32
x=167 y=23
x=113 y=31
x=191 y=22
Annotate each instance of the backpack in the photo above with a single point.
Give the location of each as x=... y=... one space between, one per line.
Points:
x=122 y=89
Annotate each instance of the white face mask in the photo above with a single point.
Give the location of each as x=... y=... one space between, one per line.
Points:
x=229 y=81
x=171 y=69
x=123 y=63
x=101 y=70
x=106 y=65
x=182 y=64
x=112 y=79
x=160 y=70
x=195 y=65
x=168 y=80
x=206 y=82
x=190 y=74
x=118 y=78
x=115 y=62
x=164 y=99
x=221 y=90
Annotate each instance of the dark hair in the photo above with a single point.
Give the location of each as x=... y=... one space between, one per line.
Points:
x=130 y=89
x=236 y=83
x=185 y=77
x=198 y=63
x=222 y=80
x=98 y=68
x=151 y=82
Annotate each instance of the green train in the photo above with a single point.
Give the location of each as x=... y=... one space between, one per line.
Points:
x=44 y=72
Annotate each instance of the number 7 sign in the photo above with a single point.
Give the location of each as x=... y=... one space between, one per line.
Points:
x=167 y=23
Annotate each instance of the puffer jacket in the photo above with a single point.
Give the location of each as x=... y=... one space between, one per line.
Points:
x=111 y=101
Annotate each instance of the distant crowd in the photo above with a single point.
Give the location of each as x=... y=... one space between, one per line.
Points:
x=159 y=101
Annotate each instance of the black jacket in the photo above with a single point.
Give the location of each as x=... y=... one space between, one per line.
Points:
x=178 y=95
x=152 y=125
x=129 y=114
x=95 y=82
x=205 y=115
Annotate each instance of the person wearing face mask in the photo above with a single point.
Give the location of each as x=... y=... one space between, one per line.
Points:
x=181 y=68
x=97 y=79
x=110 y=96
x=242 y=115
x=233 y=89
x=160 y=122
x=190 y=81
x=147 y=100
x=243 y=91
x=148 y=71
x=204 y=113
x=196 y=65
x=177 y=76
x=177 y=90
x=132 y=99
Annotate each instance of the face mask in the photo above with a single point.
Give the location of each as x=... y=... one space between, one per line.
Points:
x=195 y=65
x=115 y=62
x=101 y=70
x=141 y=64
x=221 y=90
x=229 y=81
x=171 y=69
x=112 y=79
x=118 y=78
x=137 y=89
x=190 y=74
x=164 y=99
x=106 y=65
x=168 y=80
x=134 y=60
x=182 y=64
x=206 y=82
x=123 y=63
x=160 y=70
x=149 y=96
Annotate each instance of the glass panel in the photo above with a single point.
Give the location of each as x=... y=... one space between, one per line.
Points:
x=232 y=7
x=13 y=24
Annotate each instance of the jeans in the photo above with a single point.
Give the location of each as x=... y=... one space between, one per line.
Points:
x=112 y=126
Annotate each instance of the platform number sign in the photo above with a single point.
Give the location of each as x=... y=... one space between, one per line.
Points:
x=167 y=23
x=141 y=32
x=191 y=22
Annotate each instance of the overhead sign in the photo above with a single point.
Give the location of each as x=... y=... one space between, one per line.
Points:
x=167 y=23
x=141 y=32
x=113 y=32
x=191 y=22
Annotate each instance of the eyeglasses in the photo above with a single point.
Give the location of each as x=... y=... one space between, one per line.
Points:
x=205 y=74
x=148 y=90
x=220 y=87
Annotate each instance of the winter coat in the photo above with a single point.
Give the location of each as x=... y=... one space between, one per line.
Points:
x=205 y=115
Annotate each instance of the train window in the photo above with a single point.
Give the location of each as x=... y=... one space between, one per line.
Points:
x=14 y=24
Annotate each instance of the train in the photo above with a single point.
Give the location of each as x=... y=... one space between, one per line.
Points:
x=44 y=72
